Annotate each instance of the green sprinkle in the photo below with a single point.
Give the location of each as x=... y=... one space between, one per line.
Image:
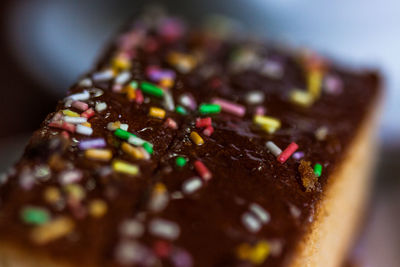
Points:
x=122 y=134
x=33 y=215
x=209 y=109
x=148 y=147
x=151 y=89
x=180 y=110
x=318 y=169
x=134 y=84
x=180 y=161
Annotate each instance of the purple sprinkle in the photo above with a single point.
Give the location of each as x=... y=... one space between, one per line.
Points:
x=156 y=74
x=92 y=143
x=181 y=258
x=298 y=155
x=333 y=84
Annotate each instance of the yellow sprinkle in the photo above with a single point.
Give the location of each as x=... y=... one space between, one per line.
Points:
x=121 y=63
x=260 y=252
x=52 y=194
x=166 y=83
x=125 y=167
x=70 y=113
x=314 y=82
x=52 y=230
x=132 y=151
x=184 y=62
x=157 y=112
x=99 y=154
x=196 y=138
x=97 y=208
x=269 y=124
x=87 y=124
x=130 y=93
x=301 y=98
x=160 y=188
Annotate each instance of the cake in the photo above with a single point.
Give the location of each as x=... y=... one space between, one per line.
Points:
x=192 y=147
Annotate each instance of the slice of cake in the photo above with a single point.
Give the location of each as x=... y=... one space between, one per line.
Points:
x=195 y=148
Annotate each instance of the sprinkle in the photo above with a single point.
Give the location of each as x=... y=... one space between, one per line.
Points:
x=180 y=161
x=69 y=113
x=301 y=98
x=269 y=124
x=208 y=131
x=157 y=112
x=63 y=125
x=333 y=84
x=52 y=194
x=203 y=122
x=170 y=123
x=166 y=83
x=133 y=253
x=151 y=89
x=131 y=228
x=104 y=75
x=98 y=154
x=181 y=258
x=88 y=113
x=86 y=82
x=159 y=198
x=262 y=214
x=82 y=106
x=92 y=143
x=314 y=82
x=298 y=155
x=202 y=170
x=125 y=167
x=260 y=110
x=75 y=120
x=87 y=124
x=121 y=62
x=162 y=249
x=196 y=138
x=132 y=151
x=187 y=100
x=97 y=208
x=35 y=215
x=79 y=96
x=183 y=62
x=321 y=133
x=257 y=254
x=318 y=170
x=84 y=130
x=134 y=140
x=123 y=77
x=191 y=185
x=272 y=69
x=251 y=222
x=139 y=97
x=52 y=230
x=130 y=93
x=169 y=101
x=180 y=110
x=65 y=134
x=101 y=106
x=70 y=176
x=255 y=97
x=273 y=148
x=287 y=152
x=124 y=126
x=148 y=147
x=209 y=109
x=230 y=107
x=164 y=229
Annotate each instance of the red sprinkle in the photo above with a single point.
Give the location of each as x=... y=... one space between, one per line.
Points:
x=88 y=113
x=161 y=248
x=63 y=125
x=283 y=157
x=208 y=131
x=139 y=97
x=203 y=122
x=202 y=170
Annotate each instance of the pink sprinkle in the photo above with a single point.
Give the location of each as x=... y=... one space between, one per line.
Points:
x=202 y=170
x=63 y=125
x=117 y=88
x=170 y=123
x=139 y=97
x=88 y=113
x=80 y=105
x=298 y=155
x=203 y=122
x=283 y=157
x=188 y=101
x=230 y=107
x=260 y=110
x=70 y=176
x=208 y=131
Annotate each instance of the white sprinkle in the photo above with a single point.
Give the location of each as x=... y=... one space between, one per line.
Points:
x=295 y=211
x=255 y=97
x=132 y=253
x=169 y=101
x=26 y=179
x=191 y=185
x=96 y=92
x=134 y=140
x=69 y=177
x=75 y=120
x=79 y=96
x=164 y=229
x=80 y=129
x=86 y=82
x=145 y=154
x=262 y=214
x=158 y=202
x=101 y=106
x=251 y=222
x=321 y=133
x=123 y=77
x=124 y=126
x=103 y=75
x=274 y=149
x=131 y=228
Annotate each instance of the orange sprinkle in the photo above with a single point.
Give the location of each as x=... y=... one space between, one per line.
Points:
x=97 y=208
x=157 y=112
x=99 y=154
x=132 y=151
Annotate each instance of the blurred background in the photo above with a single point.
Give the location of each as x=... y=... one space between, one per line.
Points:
x=46 y=44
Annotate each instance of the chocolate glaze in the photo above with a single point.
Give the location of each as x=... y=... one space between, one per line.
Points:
x=243 y=170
